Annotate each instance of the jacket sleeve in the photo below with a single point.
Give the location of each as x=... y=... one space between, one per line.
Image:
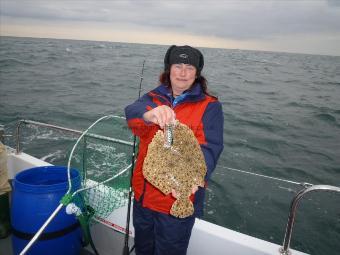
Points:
x=134 y=115
x=213 y=129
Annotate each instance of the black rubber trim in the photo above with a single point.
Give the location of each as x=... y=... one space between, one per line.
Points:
x=46 y=236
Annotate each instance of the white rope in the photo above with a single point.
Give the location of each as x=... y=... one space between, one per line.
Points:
x=268 y=177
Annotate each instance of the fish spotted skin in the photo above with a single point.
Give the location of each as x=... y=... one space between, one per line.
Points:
x=180 y=167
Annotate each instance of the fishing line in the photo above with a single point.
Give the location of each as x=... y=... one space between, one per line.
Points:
x=126 y=250
x=305 y=184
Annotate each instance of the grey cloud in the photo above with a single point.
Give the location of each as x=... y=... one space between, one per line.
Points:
x=335 y=3
x=226 y=19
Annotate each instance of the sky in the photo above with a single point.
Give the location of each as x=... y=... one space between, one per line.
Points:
x=310 y=26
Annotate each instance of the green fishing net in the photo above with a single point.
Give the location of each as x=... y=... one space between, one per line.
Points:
x=102 y=154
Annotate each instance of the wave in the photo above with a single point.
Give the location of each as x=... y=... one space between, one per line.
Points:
x=262 y=149
x=99 y=46
x=88 y=84
x=52 y=157
x=10 y=62
x=233 y=74
x=296 y=172
x=326 y=117
x=269 y=93
x=321 y=109
x=292 y=81
x=332 y=83
x=319 y=154
x=259 y=124
x=263 y=61
x=336 y=111
x=253 y=82
x=332 y=170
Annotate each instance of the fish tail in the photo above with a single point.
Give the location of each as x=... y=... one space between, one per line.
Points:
x=182 y=208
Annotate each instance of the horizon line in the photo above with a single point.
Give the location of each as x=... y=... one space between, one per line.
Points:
x=159 y=44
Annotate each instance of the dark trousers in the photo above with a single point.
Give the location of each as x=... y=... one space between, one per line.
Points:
x=160 y=234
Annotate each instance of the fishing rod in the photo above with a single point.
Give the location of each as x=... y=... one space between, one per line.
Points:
x=126 y=250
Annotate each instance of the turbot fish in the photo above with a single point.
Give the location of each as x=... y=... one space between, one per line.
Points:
x=175 y=161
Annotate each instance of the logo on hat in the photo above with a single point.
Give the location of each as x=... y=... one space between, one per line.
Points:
x=183 y=55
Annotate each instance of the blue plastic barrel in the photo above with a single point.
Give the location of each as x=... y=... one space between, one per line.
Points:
x=36 y=194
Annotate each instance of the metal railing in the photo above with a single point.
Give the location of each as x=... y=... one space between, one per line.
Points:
x=307 y=187
x=284 y=250
x=69 y=130
x=2 y=134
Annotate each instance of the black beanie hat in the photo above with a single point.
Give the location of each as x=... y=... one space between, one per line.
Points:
x=183 y=54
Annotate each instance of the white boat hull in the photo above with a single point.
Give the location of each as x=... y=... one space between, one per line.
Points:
x=207 y=238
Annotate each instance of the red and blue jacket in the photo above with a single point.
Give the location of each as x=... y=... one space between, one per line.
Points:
x=201 y=112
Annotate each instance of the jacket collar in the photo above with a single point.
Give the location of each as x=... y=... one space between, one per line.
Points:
x=193 y=94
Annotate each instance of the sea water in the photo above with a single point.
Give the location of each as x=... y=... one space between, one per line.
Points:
x=281 y=114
